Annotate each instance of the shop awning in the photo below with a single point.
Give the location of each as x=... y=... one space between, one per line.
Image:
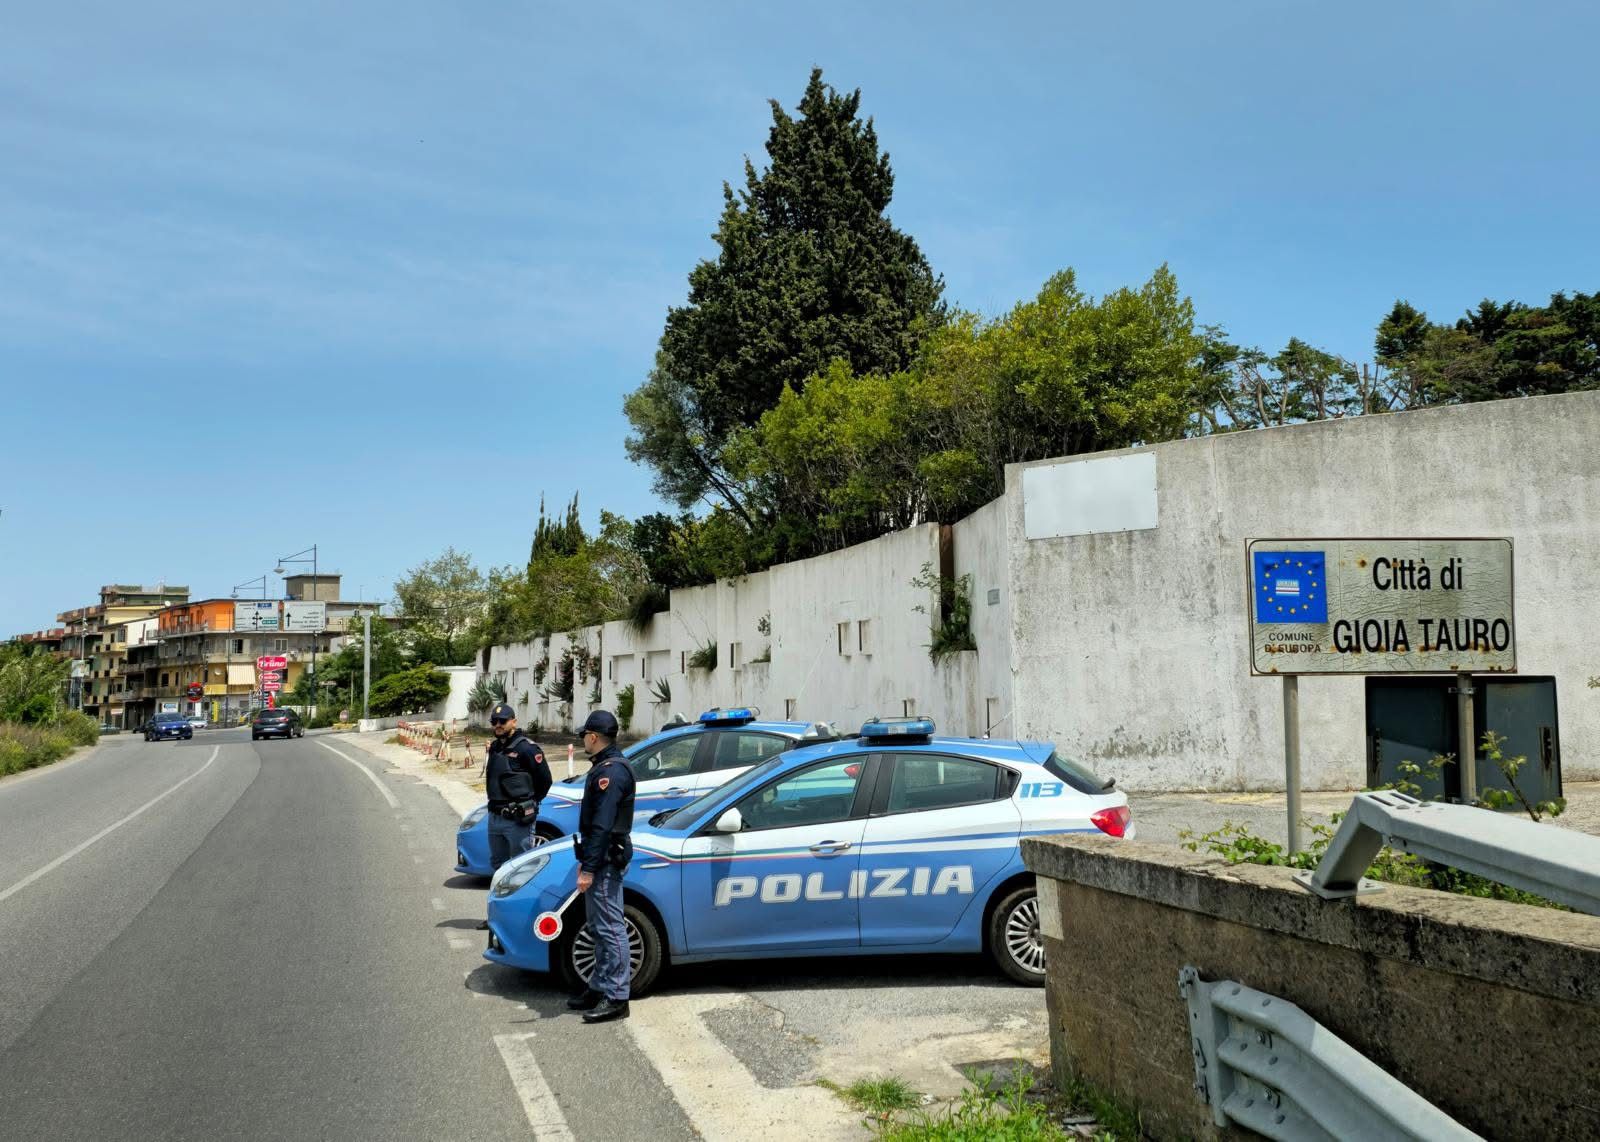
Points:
x=241 y=674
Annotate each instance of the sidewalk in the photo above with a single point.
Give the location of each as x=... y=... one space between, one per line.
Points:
x=461 y=787
x=1160 y=816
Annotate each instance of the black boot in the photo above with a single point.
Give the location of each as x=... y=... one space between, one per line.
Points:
x=483 y=925
x=608 y=1010
x=587 y=1000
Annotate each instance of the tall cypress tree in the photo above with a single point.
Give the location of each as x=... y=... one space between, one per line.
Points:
x=810 y=269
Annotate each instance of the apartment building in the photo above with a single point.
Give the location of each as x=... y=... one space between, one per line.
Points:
x=96 y=638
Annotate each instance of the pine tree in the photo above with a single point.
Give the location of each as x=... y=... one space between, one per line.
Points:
x=810 y=270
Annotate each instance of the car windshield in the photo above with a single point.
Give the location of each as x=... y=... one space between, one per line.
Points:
x=682 y=817
x=168 y=718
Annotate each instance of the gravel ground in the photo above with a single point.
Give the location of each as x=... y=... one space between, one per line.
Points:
x=1161 y=816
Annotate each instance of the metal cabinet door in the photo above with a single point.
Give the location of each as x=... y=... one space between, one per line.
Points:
x=1523 y=711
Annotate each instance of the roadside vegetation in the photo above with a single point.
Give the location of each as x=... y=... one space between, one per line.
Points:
x=1236 y=844
x=1017 y=1109
x=36 y=728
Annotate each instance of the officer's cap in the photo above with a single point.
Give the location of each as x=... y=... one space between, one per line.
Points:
x=502 y=713
x=602 y=722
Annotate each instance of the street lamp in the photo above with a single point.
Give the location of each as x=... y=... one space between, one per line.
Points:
x=299 y=557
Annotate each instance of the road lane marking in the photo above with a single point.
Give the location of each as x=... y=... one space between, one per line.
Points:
x=538 y=1100
x=372 y=777
x=671 y=1032
x=438 y=905
x=459 y=943
x=107 y=831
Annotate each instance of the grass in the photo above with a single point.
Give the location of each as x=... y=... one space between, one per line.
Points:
x=987 y=1112
x=878 y=1095
x=28 y=747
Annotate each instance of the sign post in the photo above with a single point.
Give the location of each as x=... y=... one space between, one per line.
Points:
x=1379 y=606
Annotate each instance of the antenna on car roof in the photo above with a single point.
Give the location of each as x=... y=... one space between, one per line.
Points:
x=989 y=733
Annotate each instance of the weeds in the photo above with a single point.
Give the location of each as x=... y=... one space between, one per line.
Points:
x=878 y=1095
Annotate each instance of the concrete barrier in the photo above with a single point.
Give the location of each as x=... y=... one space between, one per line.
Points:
x=1489 y=1010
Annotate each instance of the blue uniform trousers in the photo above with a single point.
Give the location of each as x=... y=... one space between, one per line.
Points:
x=613 y=969
x=507 y=839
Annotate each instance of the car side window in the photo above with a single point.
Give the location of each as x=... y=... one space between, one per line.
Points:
x=735 y=750
x=924 y=781
x=813 y=796
x=672 y=758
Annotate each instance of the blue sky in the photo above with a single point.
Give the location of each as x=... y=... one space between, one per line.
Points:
x=375 y=275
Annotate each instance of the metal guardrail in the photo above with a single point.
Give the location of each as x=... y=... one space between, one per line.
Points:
x=1559 y=864
x=1264 y=1064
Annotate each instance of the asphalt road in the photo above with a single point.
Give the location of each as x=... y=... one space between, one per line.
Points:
x=227 y=939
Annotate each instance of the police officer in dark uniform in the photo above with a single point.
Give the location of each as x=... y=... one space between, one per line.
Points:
x=605 y=846
x=516 y=779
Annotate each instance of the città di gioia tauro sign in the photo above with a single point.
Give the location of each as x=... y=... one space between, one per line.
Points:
x=1380 y=606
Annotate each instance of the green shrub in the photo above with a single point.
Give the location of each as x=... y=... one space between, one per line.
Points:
x=28 y=747
x=625 y=706
x=77 y=727
x=705 y=658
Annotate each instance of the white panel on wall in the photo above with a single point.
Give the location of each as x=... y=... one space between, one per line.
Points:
x=1112 y=493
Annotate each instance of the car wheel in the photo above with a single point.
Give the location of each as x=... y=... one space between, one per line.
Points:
x=1015 y=944
x=573 y=954
x=255 y=737
x=543 y=834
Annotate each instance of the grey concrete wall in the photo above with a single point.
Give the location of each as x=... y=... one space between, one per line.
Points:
x=1489 y=1010
x=1130 y=648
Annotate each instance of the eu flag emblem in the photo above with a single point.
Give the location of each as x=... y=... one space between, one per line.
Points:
x=1290 y=586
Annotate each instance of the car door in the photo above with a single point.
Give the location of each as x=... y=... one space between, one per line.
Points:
x=942 y=827
x=664 y=774
x=786 y=880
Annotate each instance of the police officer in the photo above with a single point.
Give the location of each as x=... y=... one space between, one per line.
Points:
x=605 y=820
x=516 y=779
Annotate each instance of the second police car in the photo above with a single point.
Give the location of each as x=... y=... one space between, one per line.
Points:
x=671 y=768
x=893 y=842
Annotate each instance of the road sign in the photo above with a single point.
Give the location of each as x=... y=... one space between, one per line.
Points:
x=272 y=685
x=1380 y=606
x=258 y=615
x=194 y=690
x=305 y=617
x=272 y=662
x=272 y=676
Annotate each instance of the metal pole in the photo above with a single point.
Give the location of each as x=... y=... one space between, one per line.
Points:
x=1291 y=755
x=314 y=594
x=366 y=661
x=1468 y=767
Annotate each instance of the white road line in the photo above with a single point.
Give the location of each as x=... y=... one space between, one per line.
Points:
x=538 y=1100
x=107 y=831
x=438 y=905
x=671 y=1033
x=372 y=777
x=459 y=943
x=418 y=860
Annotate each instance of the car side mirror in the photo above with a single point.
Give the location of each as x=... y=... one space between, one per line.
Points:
x=729 y=822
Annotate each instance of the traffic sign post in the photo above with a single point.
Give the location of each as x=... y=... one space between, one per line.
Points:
x=1378 y=606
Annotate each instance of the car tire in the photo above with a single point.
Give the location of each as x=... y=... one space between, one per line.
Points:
x=544 y=833
x=572 y=949
x=1013 y=938
x=255 y=737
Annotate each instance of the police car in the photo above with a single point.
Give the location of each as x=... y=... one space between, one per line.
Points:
x=895 y=841
x=671 y=769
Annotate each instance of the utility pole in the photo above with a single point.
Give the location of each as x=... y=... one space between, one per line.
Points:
x=366 y=661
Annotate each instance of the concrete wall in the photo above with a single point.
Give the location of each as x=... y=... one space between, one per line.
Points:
x=1127 y=644
x=1489 y=1010
x=1131 y=646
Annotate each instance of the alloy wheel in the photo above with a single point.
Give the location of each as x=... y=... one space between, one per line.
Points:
x=1023 y=942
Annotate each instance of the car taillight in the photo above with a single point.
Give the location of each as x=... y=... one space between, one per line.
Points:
x=1113 y=821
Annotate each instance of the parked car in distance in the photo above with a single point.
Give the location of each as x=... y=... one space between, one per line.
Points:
x=276 y=724
x=168 y=727
x=110 y=728
x=197 y=722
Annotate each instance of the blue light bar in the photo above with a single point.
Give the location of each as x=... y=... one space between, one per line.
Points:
x=717 y=716
x=898 y=728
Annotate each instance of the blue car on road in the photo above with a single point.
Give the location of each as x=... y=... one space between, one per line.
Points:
x=671 y=769
x=168 y=727
x=894 y=842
